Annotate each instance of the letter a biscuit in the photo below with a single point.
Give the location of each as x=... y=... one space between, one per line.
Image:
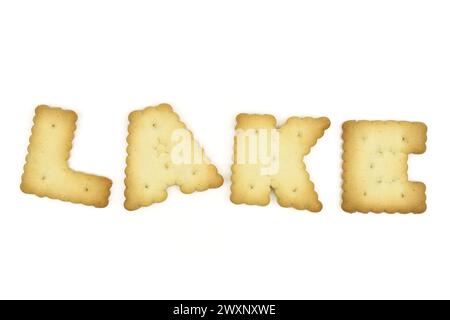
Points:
x=163 y=153
x=375 y=167
x=47 y=173
x=267 y=158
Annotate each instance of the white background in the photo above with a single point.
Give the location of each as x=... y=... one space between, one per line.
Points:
x=212 y=60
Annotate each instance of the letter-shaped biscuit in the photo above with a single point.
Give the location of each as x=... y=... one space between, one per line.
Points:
x=163 y=153
x=47 y=173
x=375 y=168
x=268 y=158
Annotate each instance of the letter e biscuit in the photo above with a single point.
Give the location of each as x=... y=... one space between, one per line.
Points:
x=375 y=166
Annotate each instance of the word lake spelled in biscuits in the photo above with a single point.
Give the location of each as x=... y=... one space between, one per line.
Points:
x=375 y=168
x=47 y=173
x=267 y=158
x=163 y=153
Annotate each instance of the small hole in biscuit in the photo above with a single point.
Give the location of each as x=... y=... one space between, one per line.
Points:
x=154 y=125
x=53 y=125
x=372 y=166
x=252 y=187
x=147 y=186
x=294 y=190
x=194 y=172
x=365 y=194
x=86 y=189
x=403 y=195
x=43 y=178
x=380 y=151
x=299 y=134
x=379 y=181
x=167 y=166
x=404 y=139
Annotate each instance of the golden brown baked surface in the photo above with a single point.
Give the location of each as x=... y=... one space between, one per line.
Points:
x=285 y=172
x=47 y=173
x=375 y=166
x=163 y=153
